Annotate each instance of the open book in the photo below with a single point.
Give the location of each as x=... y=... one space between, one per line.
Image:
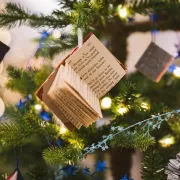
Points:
x=73 y=90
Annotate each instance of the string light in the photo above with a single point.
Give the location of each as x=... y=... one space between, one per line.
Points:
x=145 y=106
x=56 y=34
x=122 y=110
x=106 y=103
x=167 y=141
x=122 y=11
x=63 y=130
x=38 y=107
x=176 y=72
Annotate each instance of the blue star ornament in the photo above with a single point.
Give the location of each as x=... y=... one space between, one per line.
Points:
x=58 y=143
x=20 y=104
x=69 y=169
x=172 y=67
x=155 y=31
x=126 y=178
x=130 y=19
x=29 y=97
x=86 y=170
x=100 y=166
x=45 y=116
x=153 y=17
x=44 y=35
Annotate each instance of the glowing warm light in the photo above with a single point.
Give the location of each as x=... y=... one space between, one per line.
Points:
x=56 y=34
x=122 y=110
x=122 y=11
x=63 y=130
x=106 y=103
x=176 y=72
x=166 y=142
x=145 y=105
x=38 y=107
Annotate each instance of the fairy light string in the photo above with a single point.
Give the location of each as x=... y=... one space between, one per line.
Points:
x=149 y=123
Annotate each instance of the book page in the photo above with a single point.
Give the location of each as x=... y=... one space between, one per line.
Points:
x=69 y=109
x=96 y=66
x=65 y=114
x=74 y=80
x=70 y=101
x=83 y=113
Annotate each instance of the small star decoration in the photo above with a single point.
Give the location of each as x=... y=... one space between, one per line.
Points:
x=45 y=116
x=86 y=170
x=100 y=166
x=58 y=143
x=20 y=104
x=69 y=169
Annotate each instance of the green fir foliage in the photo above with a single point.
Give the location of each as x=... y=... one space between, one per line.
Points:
x=63 y=156
x=160 y=6
x=14 y=15
x=42 y=74
x=21 y=81
x=36 y=172
x=135 y=140
x=26 y=82
x=52 y=47
x=25 y=127
x=153 y=165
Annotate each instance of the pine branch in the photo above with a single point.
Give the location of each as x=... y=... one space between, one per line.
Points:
x=63 y=155
x=73 y=139
x=26 y=129
x=16 y=15
x=31 y=126
x=134 y=140
x=26 y=82
x=11 y=135
x=12 y=113
x=148 y=6
x=14 y=72
x=175 y=126
x=42 y=75
x=83 y=14
x=66 y=4
x=39 y=173
x=153 y=165
x=21 y=81
x=128 y=96
x=52 y=47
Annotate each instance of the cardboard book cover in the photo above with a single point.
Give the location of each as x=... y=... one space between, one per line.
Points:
x=92 y=60
x=154 y=62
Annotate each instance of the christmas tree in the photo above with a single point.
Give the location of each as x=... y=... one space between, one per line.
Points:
x=144 y=113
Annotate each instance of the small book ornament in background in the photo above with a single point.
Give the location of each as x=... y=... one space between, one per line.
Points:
x=154 y=62
x=73 y=90
x=3 y=50
x=173 y=168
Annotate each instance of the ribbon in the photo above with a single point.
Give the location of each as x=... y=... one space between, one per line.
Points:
x=80 y=38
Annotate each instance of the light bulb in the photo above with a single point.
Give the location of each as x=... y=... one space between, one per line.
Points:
x=63 y=130
x=122 y=11
x=106 y=103
x=176 y=72
x=166 y=142
x=38 y=107
x=122 y=110
x=56 y=34
x=145 y=105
